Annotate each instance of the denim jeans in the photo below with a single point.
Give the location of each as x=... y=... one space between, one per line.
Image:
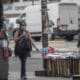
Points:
x=23 y=65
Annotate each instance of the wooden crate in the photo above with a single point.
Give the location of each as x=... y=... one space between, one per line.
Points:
x=54 y=68
x=75 y=66
x=79 y=66
x=48 y=67
x=63 y=67
x=76 y=77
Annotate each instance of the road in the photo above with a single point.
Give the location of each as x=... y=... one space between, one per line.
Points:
x=57 y=43
x=35 y=62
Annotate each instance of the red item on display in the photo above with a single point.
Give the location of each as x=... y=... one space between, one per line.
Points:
x=51 y=50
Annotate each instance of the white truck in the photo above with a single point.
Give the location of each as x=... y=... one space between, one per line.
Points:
x=68 y=20
x=63 y=15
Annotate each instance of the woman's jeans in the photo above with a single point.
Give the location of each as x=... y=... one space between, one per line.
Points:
x=23 y=65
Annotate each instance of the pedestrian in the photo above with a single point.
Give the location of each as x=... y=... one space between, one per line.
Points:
x=78 y=44
x=51 y=29
x=23 y=54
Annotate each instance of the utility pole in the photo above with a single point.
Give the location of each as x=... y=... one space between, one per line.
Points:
x=44 y=27
x=44 y=23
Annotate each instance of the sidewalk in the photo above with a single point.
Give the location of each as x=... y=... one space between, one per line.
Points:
x=15 y=75
x=31 y=76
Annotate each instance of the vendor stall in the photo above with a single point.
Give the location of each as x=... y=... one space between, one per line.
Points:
x=63 y=67
x=62 y=63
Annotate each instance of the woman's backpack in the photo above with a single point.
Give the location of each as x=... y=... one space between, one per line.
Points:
x=23 y=45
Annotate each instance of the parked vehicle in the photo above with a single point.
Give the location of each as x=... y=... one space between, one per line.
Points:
x=68 y=15
x=32 y=16
x=63 y=15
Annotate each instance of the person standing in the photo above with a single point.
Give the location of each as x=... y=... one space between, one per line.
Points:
x=23 y=54
x=78 y=45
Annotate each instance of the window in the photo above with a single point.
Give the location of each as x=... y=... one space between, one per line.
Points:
x=53 y=0
x=16 y=0
x=10 y=1
x=30 y=0
x=25 y=0
x=23 y=16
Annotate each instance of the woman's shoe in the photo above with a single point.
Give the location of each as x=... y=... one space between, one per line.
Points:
x=24 y=78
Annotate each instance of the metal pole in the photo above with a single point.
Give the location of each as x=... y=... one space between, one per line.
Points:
x=44 y=27
x=44 y=23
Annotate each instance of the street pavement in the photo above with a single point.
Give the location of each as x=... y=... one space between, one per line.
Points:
x=35 y=62
x=58 y=44
x=31 y=76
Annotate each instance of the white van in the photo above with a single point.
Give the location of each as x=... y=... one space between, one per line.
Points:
x=63 y=15
x=32 y=16
x=68 y=14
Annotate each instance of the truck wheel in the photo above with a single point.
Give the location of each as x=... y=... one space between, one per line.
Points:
x=69 y=37
x=37 y=38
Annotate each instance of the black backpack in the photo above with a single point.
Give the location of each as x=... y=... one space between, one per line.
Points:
x=23 y=45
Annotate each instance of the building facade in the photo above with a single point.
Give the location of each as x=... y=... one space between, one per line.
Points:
x=13 y=8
